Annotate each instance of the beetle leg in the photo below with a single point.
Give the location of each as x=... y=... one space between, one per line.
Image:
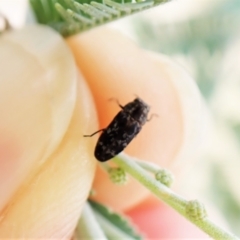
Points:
x=152 y=115
x=116 y=100
x=94 y=133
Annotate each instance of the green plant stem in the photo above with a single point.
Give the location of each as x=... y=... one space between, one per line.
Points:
x=104 y=166
x=111 y=231
x=169 y=197
x=151 y=167
x=88 y=227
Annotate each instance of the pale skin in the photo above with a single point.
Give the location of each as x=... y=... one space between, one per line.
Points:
x=110 y=67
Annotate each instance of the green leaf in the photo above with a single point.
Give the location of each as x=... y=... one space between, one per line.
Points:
x=73 y=16
x=115 y=226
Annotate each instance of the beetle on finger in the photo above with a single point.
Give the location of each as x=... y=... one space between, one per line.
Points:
x=121 y=131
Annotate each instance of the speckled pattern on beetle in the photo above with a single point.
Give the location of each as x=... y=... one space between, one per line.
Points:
x=123 y=128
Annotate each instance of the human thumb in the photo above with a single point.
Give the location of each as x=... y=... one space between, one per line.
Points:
x=46 y=166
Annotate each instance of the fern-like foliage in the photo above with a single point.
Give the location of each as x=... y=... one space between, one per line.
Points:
x=73 y=16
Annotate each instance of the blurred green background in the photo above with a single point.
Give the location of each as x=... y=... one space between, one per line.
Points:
x=204 y=37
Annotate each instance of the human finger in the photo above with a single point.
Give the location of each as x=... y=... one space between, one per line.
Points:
x=46 y=163
x=116 y=67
